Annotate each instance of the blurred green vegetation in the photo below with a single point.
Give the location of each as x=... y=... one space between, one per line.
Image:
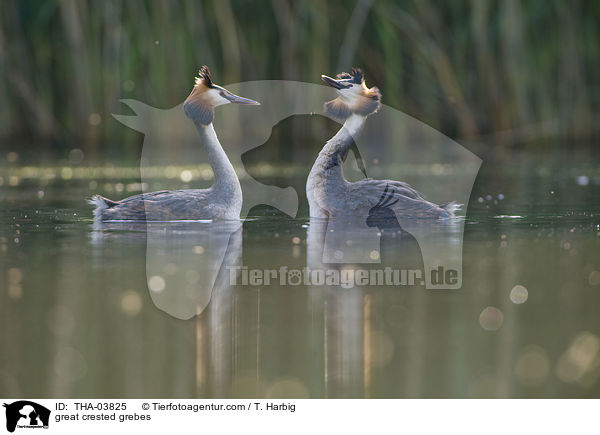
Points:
x=495 y=75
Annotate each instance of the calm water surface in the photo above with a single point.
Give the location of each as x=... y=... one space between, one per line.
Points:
x=78 y=320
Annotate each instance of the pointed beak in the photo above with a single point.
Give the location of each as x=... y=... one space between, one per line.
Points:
x=337 y=84
x=240 y=100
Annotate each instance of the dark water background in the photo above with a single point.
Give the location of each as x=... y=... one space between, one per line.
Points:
x=77 y=319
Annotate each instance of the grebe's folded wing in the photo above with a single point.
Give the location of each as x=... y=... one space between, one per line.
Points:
x=161 y=194
x=163 y=204
x=374 y=189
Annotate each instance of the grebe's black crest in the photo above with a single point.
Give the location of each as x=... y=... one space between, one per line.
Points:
x=205 y=96
x=357 y=76
x=204 y=77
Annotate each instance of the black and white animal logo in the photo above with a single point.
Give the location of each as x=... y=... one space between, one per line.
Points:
x=26 y=414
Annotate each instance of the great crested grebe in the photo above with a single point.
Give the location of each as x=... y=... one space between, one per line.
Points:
x=330 y=194
x=223 y=200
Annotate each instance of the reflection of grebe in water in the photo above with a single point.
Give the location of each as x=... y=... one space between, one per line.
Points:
x=398 y=247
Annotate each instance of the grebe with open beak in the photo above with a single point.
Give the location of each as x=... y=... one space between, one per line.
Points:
x=330 y=194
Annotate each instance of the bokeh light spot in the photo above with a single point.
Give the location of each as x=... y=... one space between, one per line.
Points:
x=532 y=366
x=519 y=294
x=131 y=303
x=491 y=319
x=156 y=283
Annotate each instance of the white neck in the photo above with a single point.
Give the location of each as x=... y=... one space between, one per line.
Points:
x=343 y=139
x=326 y=176
x=336 y=148
x=354 y=124
x=226 y=179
